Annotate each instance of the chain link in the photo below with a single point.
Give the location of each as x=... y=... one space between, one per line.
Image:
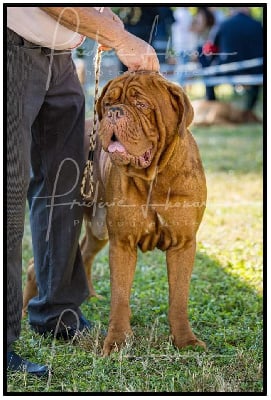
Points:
x=87 y=185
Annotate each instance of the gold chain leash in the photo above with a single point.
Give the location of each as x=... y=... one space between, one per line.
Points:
x=87 y=185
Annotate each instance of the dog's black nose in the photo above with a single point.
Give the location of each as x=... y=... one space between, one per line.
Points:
x=115 y=113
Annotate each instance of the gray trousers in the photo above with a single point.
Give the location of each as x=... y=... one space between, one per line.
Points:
x=45 y=160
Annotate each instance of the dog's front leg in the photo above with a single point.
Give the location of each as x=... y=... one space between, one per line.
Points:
x=180 y=263
x=122 y=259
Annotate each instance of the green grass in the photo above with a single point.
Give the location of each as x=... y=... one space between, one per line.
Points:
x=225 y=300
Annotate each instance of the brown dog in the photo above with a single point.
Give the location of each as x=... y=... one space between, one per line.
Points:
x=209 y=113
x=150 y=190
x=151 y=179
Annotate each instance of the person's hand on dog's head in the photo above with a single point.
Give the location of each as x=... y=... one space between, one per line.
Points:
x=136 y=54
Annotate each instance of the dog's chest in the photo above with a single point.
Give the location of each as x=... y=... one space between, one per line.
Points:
x=146 y=225
x=147 y=216
x=156 y=231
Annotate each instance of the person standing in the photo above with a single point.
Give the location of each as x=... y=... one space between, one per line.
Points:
x=239 y=38
x=45 y=159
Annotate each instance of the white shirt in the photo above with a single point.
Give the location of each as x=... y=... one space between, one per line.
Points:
x=39 y=28
x=183 y=39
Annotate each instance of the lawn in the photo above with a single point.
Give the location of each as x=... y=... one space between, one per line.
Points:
x=225 y=301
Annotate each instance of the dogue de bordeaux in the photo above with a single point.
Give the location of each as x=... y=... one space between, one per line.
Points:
x=209 y=113
x=150 y=193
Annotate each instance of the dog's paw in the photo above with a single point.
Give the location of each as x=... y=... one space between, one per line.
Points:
x=96 y=295
x=110 y=347
x=114 y=342
x=99 y=297
x=182 y=341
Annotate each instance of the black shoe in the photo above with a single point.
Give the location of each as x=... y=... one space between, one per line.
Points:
x=18 y=364
x=66 y=332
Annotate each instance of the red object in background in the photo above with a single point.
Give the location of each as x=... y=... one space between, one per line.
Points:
x=209 y=48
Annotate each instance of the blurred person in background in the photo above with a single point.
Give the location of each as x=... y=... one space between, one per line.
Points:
x=184 y=41
x=240 y=38
x=202 y=25
x=163 y=36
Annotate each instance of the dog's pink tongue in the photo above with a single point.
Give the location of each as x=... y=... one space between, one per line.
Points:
x=116 y=146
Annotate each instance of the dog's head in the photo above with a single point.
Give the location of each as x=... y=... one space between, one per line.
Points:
x=140 y=114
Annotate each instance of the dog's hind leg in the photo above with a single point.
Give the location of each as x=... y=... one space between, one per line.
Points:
x=94 y=240
x=30 y=289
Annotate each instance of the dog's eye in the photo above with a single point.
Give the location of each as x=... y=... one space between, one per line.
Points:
x=141 y=105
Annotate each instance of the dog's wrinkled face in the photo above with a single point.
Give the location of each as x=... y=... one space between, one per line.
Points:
x=136 y=112
x=127 y=121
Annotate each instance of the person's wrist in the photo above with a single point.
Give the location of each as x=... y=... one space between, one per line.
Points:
x=114 y=40
x=122 y=40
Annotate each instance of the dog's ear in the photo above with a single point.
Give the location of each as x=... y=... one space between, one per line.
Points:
x=182 y=105
x=99 y=102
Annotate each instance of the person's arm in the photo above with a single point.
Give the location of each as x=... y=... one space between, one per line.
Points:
x=109 y=31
